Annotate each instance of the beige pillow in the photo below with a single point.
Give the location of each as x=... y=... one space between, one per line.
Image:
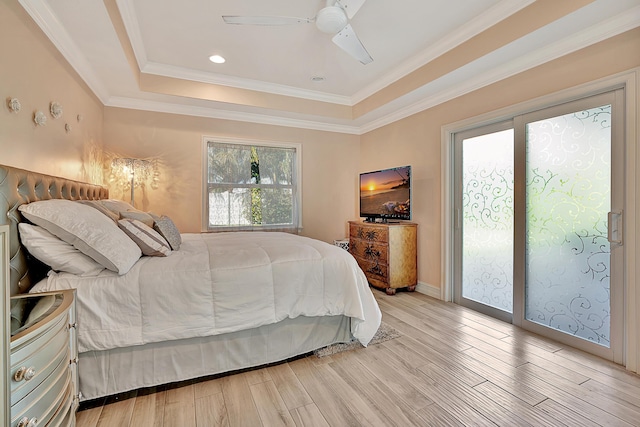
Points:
x=97 y=205
x=116 y=206
x=84 y=227
x=150 y=242
x=143 y=217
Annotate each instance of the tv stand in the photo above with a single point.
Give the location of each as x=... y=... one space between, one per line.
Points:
x=387 y=253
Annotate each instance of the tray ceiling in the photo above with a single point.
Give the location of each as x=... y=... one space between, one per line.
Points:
x=153 y=54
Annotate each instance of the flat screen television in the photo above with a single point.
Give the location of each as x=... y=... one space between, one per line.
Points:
x=386 y=194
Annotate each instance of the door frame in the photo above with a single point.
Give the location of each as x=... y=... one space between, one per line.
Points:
x=630 y=83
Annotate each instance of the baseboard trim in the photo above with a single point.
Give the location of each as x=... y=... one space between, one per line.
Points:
x=429 y=290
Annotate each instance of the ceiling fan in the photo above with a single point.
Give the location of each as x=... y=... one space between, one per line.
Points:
x=332 y=19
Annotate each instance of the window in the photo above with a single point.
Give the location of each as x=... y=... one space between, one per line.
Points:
x=251 y=185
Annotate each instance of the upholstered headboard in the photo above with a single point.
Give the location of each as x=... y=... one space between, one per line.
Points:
x=17 y=187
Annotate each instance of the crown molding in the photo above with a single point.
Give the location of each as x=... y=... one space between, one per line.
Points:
x=589 y=36
x=240 y=116
x=240 y=83
x=55 y=31
x=130 y=21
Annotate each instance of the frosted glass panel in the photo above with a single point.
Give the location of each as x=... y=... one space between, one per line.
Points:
x=487 y=219
x=568 y=198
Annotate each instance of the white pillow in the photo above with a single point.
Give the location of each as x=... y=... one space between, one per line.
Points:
x=56 y=253
x=150 y=242
x=91 y=232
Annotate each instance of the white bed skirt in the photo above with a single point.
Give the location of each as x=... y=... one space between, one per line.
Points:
x=104 y=373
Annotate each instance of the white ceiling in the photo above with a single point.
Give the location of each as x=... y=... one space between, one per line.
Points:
x=174 y=39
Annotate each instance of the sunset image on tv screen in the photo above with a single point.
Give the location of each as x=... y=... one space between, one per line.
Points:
x=385 y=193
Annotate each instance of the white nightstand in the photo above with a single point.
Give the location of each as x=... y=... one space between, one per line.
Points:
x=44 y=355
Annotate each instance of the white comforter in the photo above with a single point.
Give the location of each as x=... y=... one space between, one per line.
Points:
x=218 y=283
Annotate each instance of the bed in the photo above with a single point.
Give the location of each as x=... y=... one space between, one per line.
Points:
x=219 y=303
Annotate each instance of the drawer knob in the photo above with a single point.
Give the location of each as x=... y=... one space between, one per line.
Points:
x=24 y=373
x=26 y=422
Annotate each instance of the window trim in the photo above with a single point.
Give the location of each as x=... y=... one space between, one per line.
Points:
x=204 y=225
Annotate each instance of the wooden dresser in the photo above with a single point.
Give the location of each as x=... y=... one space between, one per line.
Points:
x=43 y=374
x=387 y=253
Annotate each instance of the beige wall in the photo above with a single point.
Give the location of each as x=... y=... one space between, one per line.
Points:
x=417 y=140
x=329 y=165
x=33 y=71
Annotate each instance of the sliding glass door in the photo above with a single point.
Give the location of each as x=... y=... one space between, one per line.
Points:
x=484 y=219
x=568 y=228
x=538 y=221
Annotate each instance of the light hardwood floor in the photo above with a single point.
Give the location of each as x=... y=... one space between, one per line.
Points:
x=451 y=367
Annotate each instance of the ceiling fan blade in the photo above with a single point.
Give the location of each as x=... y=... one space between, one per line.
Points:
x=351 y=6
x=265 y=20
x=347 y=40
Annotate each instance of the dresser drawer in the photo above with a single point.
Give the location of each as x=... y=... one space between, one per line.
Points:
x=371 y=233
x=44 y=402
x=373 y=270
x=42 y=356
x=369 y=251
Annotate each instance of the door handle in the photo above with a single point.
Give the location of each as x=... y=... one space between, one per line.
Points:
x=614 y=227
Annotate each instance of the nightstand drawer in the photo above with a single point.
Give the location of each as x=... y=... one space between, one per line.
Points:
x=49 y=396
x=41 y=356
x=65 y=417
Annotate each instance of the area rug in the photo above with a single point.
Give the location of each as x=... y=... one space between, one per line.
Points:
x=384 y=333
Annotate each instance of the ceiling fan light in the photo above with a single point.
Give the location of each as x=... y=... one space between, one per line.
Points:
x=331 y=20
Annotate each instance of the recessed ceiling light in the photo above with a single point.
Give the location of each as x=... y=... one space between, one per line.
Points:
x=217 y=59
x=317 y=79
